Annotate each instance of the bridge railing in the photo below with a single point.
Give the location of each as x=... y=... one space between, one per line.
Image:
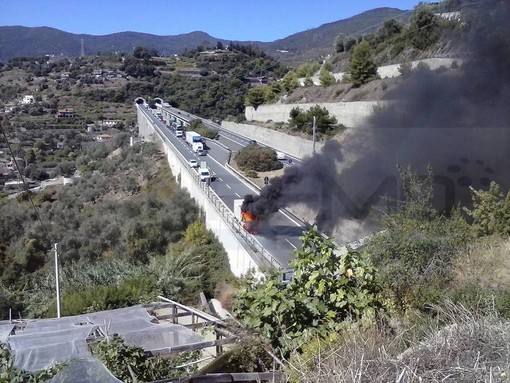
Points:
x=220 y=206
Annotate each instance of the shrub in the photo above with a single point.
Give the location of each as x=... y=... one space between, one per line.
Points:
x=130 y=292
x=120 y=358
x=491 y=211
x=257 y=158
x=418 y=246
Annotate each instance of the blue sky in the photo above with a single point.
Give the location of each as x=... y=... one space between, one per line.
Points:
x=259 y=20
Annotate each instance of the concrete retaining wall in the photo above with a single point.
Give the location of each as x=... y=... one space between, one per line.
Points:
x=388 y=71
x=351 y=114
x=295 y=146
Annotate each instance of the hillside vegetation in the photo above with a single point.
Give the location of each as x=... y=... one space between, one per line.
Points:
x=426 y=299
x=126 y=233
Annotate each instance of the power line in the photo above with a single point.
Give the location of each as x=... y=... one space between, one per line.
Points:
x=24 y=182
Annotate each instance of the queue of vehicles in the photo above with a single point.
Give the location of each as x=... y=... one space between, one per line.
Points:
x=195 y=141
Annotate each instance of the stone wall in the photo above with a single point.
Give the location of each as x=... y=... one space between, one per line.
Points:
x=295 y=146
x=350 y=114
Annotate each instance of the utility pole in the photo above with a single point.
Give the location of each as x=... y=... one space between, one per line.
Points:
x=57 y=281
x=314 y=128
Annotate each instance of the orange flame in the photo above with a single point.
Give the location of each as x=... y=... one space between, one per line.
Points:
x=247 y=216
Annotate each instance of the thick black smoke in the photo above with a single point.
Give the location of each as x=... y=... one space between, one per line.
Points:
x=456 y=121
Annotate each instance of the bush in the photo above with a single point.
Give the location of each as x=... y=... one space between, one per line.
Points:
x=418 y=247
x=251 y=173
x=491 y=211
x=119 y=358
x=128 y=293
x=257 y=158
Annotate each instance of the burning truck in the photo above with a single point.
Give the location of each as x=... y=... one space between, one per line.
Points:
x=251 y=222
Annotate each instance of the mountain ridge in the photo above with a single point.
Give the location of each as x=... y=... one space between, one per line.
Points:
x=21 y=41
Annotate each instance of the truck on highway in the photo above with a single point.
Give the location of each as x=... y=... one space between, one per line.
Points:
x=204 y=172
x=194 y=140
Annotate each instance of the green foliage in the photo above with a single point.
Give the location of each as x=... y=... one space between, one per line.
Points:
x=110 y=238
x=258 y=158
x=120 y=358
x=308 y=82
x=473 y=297
x=256 y=96
x=290 y=82
x=327 y=289
x=390 y=29
x=307 y=69
x=251 y=173
x=405 y=68
x=417 y=247
x=144 y=53
x=11 y=374
x=326 y=78
x=424 y=28
x=205 y=132
x=198 y=263
x=491 y=211
x=361 y=68
x=196 y=124
x=127 y=293
x=249 y=355
x=303 y=121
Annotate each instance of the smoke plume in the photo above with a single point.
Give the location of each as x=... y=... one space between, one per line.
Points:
x=456 y=121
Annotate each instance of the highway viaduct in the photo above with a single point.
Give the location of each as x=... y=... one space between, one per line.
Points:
x=246 y=252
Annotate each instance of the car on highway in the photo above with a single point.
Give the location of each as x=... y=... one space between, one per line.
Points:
x=201 y=152
x=193 y=163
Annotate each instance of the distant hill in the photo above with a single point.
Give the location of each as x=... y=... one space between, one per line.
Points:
x=16 y=41
x=317 y=42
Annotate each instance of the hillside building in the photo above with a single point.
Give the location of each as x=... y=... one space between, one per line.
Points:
x=65 y=113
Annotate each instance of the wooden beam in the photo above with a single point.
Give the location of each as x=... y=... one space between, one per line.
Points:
x=190 y=347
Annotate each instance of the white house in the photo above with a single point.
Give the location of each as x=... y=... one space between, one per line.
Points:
x=29 y=99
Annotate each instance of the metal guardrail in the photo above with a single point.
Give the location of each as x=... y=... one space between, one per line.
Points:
x=220 y=206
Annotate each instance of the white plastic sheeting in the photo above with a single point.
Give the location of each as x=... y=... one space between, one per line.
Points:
x=46 y=341
x=84 y=371
x=5 y=331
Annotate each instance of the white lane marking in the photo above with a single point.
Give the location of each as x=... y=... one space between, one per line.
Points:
x=221 y=179
x=237 y=194
x=290 y=218
x=233 y=140
x=290 y=243
x=227 y=185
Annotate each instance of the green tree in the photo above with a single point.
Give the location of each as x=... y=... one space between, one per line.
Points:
x=290 y=81
x=144 y=53
x=340 y=43
x=256 y=97
x=258 y=158
x=405 y=68
x=327 y=288
x=390 y=29
x=302 y=121
x=491 y=211
x=423 y=28
x=326 y=78
x=361 y=68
